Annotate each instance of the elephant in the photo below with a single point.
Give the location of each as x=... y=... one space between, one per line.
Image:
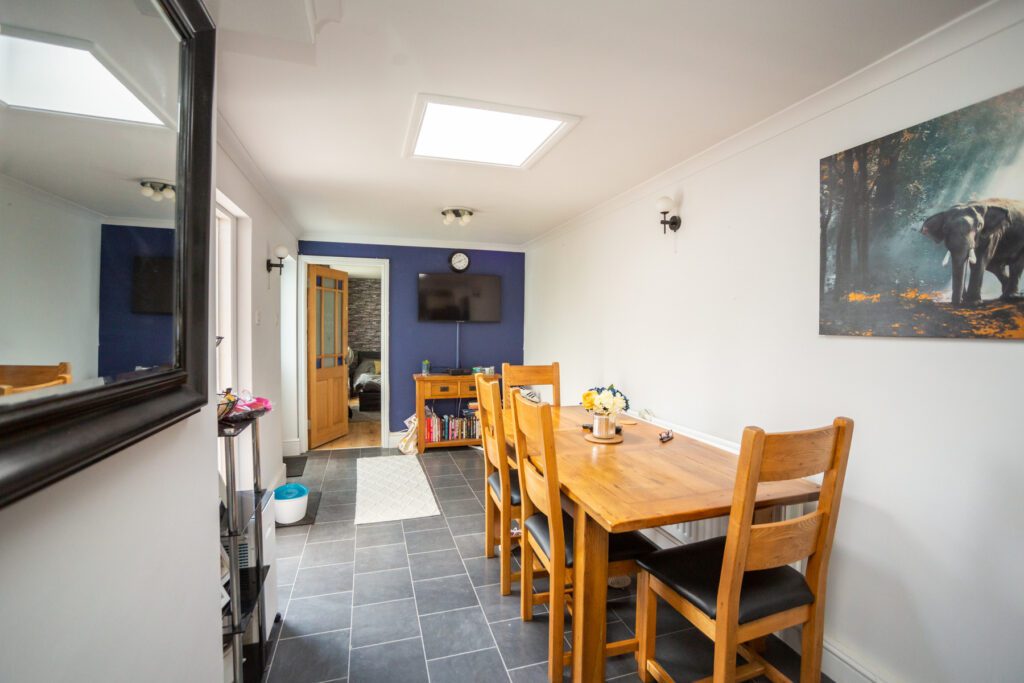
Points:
x=988 y=234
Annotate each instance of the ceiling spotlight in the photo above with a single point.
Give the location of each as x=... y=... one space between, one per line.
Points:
x=157 y=190
x=451 y=213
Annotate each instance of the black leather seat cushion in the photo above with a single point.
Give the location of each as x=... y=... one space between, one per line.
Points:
x=627 y=546
x=494 y=481
x=694 y=571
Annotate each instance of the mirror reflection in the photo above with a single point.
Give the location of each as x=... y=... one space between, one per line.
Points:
x=88 y=157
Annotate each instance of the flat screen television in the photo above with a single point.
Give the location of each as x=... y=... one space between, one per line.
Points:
x=153 y=285
x=458 y=297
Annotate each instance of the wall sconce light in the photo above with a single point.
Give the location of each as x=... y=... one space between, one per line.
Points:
x=281 y=253
x=667 y=205
x=157 y=190
x=450 y=213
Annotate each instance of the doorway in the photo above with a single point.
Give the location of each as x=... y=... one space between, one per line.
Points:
x=364 y=355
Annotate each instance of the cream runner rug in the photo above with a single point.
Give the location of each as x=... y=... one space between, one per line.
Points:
x=392 y=487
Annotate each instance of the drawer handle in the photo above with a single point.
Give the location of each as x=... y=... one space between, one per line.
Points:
x=442 y=388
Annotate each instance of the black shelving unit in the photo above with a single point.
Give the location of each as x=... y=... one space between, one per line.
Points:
x=242 y=518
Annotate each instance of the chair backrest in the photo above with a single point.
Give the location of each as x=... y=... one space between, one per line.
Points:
x=492 y=428
x=778 y=457
x=538 y=468
x=513 y=376
x=15 y=379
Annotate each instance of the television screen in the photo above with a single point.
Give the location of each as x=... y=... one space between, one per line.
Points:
x=153 y=285
x=459 y=297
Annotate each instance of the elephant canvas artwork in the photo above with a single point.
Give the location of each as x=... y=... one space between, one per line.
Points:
x=922 y=231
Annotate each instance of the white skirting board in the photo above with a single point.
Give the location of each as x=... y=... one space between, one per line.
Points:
x=291 y=447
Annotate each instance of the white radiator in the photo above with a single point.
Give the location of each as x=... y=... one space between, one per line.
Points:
x=701 y=530
x=691 y=532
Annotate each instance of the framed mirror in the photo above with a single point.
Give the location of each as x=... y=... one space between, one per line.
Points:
x=105 y=196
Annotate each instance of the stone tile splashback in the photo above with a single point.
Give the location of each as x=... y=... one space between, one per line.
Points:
x=364 y=314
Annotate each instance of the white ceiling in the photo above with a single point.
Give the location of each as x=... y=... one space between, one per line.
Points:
x=654 y=81
x=96 y=163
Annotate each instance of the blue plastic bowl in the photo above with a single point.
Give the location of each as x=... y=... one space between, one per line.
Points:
x=290 y=502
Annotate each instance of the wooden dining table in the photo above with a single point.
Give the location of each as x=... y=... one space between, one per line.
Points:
x=640 y=483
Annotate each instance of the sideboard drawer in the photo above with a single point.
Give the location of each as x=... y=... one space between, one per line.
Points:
x=467 y=387
x=443 y=389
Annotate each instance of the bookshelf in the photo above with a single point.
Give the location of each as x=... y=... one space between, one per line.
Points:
x=439 y=432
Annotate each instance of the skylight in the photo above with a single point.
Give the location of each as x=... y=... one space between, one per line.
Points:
x=51 y=77
x=462 y=130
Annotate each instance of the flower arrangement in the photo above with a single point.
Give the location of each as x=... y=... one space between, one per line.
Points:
x=605 y=400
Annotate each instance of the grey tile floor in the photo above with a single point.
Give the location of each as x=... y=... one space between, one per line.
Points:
x=415 y=600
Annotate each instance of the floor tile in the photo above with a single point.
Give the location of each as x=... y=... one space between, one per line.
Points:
x=445 y=480
x=381 y=557
x=424 y=523
x=466 y=524
x=336 y=513
x=475 y=667
x=498 y=607
x=311 y=659
x=484 y=571
x=315 y=615
x=453 y=508
x=334 y=578
x=341 y=483
x=426 y=541
x=455 y=632
x=286 y=569
x=338 y=497
x=439 y=595
x=383 y=534
x=669 y=620
x=686 y=656
x=391 y=584
x=462 y=492
x=291 y=530
x=331 y=531
x=385 y=622
x=471 y=545
x=390 y=663
x=289 y=546
x=523 y=642
x=436 y=456
x=330 y=552
x=436 y=564
x=440 y=468
x=536 y=673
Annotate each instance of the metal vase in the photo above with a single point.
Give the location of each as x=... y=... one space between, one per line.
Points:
x=604 y=426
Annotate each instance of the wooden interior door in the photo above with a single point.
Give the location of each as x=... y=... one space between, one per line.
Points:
x=327 y=344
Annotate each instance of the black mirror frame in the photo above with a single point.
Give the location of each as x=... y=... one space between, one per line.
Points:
x=45 y=440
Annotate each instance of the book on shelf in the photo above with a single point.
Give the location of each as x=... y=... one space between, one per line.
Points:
x=452 y=427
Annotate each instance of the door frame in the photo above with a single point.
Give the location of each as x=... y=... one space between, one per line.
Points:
x=383 y=266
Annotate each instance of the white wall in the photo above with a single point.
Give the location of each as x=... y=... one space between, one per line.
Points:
x=111 y=574
x=716 y=329
x=47 y=245
x=259 y=305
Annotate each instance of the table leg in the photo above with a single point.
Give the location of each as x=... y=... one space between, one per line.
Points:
x=590 y=596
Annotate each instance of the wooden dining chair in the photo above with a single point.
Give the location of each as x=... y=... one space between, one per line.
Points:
x=502 y=486
x=17 y=379
x=740 y=588
x=548 y=532
x=513 y=376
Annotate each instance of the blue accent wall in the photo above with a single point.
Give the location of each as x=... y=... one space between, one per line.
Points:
x=413 y=341
x=131 y=339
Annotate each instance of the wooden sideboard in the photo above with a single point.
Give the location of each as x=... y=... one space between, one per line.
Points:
x=440 y=387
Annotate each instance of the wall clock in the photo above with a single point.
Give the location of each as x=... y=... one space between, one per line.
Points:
x=459 y=261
